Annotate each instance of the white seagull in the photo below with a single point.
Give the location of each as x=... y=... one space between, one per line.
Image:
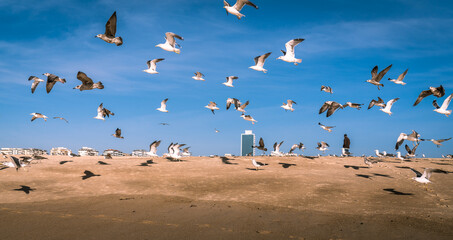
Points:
x=248 y=118
x=322 y=146
x=276 y=151
x=170 y=43
x=103 y=112
x=38 y=115
x=257 y=164
x=414 y=137
x=35 y=83
x=388 y=106
x=400 y=78
x=110 y=31
x=289 y=55
x=241 y=108
x=229 y=82
x=443 y=109
x=198 y=76
x=234 y=101
x=153 y=148
x=288 y=105
x=152 y=65
x=422 y=178
x=163 y=106
x=327 y=128
x=212 y=106
x=236 y=8
x=259 y=63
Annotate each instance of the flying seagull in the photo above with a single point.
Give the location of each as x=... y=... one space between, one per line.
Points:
x=438 y=92
x=289 y=105
x=236 y=8
x=38 y=115
x=241 y=108
x=294 y=146
x=103 y=112
x=110 y=31
x=153 y=148
x=388 y=106
x=35 y=83
x=170 y=43
x=87 y=83
x=379 y=103
x=61 y=118
x=330 y=107
x=400 y=78
x=259 y=63
x=51 y=80
x=152 y=65
x=217 y=131
x=438 y=142
x=376 y=78
x=212 y=106
x=411 y=152
x=322 y=146
x=414 y=137
x=248 y=118
x=443 y=109
x=327 y=128
x=234 y=101
x=163 y=106
x=422 y=178
x=277 y=149
x=353 y=105
x=117 y=133
x=289 y=55
x=326 y=89
x=229 y=82
x=198 y=76
x=261 y=146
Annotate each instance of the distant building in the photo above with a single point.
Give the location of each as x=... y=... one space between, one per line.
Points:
x=140 y=153
x=114 y=153
x=86 y=151
x=60 y=151
x=23 y=151
x=247 y=143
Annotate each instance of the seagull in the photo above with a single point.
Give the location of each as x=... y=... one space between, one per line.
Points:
x=153 y=148
x=234 y=101
x=277 y=149
x=330 y=107
x=353 y=105
x=437 y=142
x=261 y=146
x=212 y=106
x=422 y=178
x=326 y=89
x=289 y=105
x=163 y=106
x=64 y=119
x=294 y=146
x=414 y=137
x=289 y=55
x=259 y=63
x=164 y=124
x=216 y=131
x=152 y=65
x=117 y=133
x=241 y=108
x=248 y=118
x=174 y=151
x=379 y=103
x=108 y=156
x=369 y=161
x=198 y=76
x=327 y=128
x=38 y=115
x=87 y=83
x=400 y=78
x=170 y=43
x=110 y=31
x=229 y=82
x=378 y=154
x=236 y=8
x=411 y=152
x=376 y=78
x=186 y=152
x=438 y=92
x=388 y=106
x=443 y=108
x=16 y=163
x=103 y=112
x=257 y=164
x=322 y=146
x=35 y=83
x=51 y=80
x=398 y=155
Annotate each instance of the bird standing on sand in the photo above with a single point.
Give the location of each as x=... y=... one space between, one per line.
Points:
x=152 y=65
x=110 y=31
x=163 y=106
x=443 y=109
x=289 y=55
x=38 y=115
x=400 y=78
x=51 y=80
x=257 y=164
x=229 y=82
x=170 y=43
x=198 y=76
x=87 y=83
x=376 y=78
x=438 y=92
x=35 y=83
x=117 y=133
x=237 y=7
x=259 y=63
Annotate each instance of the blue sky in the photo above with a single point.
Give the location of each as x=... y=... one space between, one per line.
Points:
x=344 y=41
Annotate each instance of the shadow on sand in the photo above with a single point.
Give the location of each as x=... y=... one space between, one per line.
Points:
x=354 y=167
x=25 y=189
x=287 y=165
x=226 y=160
x=393 y=191
x=254 y=169
x=89 y=174
x=63 y=162
x=382 y=175
x=363 y=176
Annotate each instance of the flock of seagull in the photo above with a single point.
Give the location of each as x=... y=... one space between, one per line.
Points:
x=330 y=107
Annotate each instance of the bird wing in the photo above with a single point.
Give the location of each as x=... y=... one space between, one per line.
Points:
x=443 y=140
x=374 y=72
x=446 y=102
x=261 y=142
x=228 y=103
x=34 y=85
x=440 y=91
x=152 y=64
x=290 y=102
x=435 y=104
x=408 y=149
x=171 y=38
x=391 y=102
x=382 y=73
x=324 y=107
x=400 y=140
x=84 y=78
x=422 y=95
x=33 y=118
x=427 y=173
x=259 y=61
x=372 y=103
x=51 y=80
x=333 y=107
x=419 y=174
x=245 y=104
x=118 y=132
x=110 y=26
x=275 y=146
x=291 y=44
x=163 y=104
x=401 y=77
x=240 y=4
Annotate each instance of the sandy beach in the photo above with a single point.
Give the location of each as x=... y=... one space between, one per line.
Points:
x=215 y=198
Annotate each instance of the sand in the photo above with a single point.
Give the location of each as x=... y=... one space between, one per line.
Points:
x=211 y=198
